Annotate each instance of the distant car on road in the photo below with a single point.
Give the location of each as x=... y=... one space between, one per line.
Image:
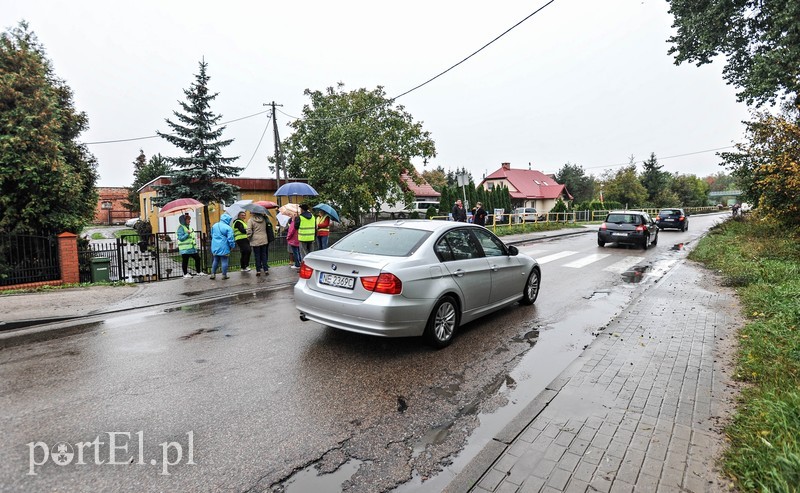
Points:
x=413 y=278
x=131 y=222
x=673 y=218
x=527 y=215
x=628 y=227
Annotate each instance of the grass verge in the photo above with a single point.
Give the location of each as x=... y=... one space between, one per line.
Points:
x=761 y=260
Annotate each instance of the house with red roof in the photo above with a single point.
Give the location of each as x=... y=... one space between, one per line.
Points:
x=527 y=187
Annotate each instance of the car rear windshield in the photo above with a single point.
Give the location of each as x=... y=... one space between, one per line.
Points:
x=624 y=219
x=378 y=240
x=670 y=212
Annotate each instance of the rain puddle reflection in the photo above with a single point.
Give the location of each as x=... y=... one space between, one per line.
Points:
x=309 y=479
x=635 y=274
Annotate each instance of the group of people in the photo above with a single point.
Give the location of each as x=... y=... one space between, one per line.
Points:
x=252 y=238
x=303 y=231
x=478 y=213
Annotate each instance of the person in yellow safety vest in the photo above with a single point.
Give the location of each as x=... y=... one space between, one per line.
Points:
x=323 y=229
x=187 y=246
x=242 y=241
x=306 y=230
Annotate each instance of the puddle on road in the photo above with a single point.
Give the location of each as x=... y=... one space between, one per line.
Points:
x=309 y=479
x=197 y=333
x=635 y=274
x=677 y=246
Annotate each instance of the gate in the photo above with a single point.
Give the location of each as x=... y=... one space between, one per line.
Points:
x=139 y=259
x=153 y=258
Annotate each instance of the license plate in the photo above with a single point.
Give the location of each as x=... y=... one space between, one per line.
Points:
x=337 y=280
x=667 y=219
x=619 y=234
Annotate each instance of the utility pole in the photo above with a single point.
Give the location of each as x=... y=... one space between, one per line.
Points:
x=277 y=142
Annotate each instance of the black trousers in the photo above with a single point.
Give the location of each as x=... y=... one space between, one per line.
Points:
x=185 y=262
x=246 y=250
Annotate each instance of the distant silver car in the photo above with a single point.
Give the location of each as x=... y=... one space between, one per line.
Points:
x=413 y=278
x=131 y=222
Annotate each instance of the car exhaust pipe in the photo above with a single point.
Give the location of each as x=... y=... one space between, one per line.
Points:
x=303 y=317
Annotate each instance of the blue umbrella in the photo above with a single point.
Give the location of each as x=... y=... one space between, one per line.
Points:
x=295 y=188
x=329 y=211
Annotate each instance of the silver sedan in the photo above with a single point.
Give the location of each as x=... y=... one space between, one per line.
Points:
x=413 y=278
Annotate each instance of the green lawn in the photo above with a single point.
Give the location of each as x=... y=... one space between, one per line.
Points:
x=762 y=261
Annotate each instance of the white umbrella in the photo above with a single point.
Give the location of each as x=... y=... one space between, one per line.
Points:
x=235 y=208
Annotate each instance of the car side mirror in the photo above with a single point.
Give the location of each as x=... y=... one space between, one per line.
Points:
x=512 y=250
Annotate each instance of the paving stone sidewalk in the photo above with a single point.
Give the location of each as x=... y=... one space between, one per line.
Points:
x=641 y=409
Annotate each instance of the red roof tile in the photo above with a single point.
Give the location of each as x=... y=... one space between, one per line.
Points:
x=528 y=183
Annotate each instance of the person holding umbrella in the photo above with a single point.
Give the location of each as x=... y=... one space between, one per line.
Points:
x=240 y=235
x=187 y=245
x=306 y=227
x=323 y=229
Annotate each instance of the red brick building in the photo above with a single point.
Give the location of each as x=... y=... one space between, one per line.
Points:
x=110 y=207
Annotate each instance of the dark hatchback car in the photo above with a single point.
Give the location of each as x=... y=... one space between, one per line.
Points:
x=673 y=218
x=629 y=228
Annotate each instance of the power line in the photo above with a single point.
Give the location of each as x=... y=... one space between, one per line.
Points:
x=662 y=158
x=155 y=136
x=259 y=143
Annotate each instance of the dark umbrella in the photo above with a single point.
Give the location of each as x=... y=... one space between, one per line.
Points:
x=328 y=210
x=256 y=209
x=295 y=188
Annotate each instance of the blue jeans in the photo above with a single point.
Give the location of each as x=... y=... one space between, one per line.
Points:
x=221 y=260
x=296 y=252
x=261 y=253
x=322 y=242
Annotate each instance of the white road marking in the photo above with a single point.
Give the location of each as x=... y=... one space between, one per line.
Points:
x=555 y=256
x=589 y=259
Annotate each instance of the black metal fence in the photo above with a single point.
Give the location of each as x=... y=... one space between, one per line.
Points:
x=28 y=258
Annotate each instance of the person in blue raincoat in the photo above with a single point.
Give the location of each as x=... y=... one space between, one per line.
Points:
x=222 y=242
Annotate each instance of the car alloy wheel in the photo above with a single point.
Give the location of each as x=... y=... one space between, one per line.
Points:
x=531 y=291
x=442 y=322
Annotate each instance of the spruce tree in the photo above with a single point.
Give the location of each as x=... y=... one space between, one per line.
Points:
x=198 y=174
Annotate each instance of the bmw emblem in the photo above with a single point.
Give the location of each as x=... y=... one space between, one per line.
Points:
x=333 y=267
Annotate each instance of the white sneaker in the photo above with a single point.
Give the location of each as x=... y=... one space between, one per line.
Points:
x=294 y=267
x=246 y=269
x=187 y=276
x=201 y=274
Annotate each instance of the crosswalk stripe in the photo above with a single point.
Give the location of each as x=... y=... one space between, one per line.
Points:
x=577 y=264
x=555 y=256
x=624 y=264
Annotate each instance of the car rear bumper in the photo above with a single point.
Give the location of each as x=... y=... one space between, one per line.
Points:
x=633 y=238
x=379 y=315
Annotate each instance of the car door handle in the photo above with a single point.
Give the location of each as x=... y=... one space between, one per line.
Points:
x=494 y=267
x=459 y=272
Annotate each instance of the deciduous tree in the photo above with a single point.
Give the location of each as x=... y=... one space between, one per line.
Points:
x=624 y=187
x=760 y=41
x=579 y=185
x=47 y=177
x=197 y=132
x=767 y=167
x=353 y=147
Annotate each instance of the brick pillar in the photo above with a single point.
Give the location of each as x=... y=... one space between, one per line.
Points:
x=68 y=258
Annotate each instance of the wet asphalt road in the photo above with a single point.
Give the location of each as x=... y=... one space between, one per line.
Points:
x=258 y=401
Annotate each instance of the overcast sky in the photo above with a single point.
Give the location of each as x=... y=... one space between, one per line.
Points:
x=587 y=82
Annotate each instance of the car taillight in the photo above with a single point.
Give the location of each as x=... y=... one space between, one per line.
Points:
x=603 y=226
x=681 y=218
x=385 y=283
x=305 y=271
x=640 y=228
